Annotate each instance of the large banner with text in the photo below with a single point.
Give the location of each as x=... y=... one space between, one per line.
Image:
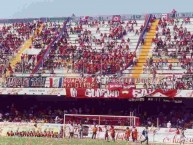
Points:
x=126 y=93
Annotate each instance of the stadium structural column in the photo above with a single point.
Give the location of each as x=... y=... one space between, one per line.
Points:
x=25 y=46
x=138 y=69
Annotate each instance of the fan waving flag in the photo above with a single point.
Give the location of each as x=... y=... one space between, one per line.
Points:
x=116 y=18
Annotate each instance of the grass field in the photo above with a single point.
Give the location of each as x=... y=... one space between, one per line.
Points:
x=48 y=141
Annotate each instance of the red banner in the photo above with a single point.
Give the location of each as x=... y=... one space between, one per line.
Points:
x=106 y=93
x=80 y=83
x=161 y=93
x=123 y=93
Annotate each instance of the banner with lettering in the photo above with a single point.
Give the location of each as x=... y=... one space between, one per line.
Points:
x=33 y=91
x=89 y=82
x=31 y=82
x=126 y=93
x=106 y=93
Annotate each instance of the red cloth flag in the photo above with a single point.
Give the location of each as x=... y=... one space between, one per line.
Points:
x=116 y=18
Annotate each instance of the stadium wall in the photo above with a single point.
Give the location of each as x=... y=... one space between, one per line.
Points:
x=158 y=135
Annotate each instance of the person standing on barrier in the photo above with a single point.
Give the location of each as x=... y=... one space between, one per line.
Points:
x=145 y=134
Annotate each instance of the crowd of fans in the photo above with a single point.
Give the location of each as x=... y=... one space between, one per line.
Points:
x=50 y=112
x=48 y=134
x=12 y=36
x=181 y=82
x=176 y=44
x=42 y=40
x=107 y=54
x=173 y=41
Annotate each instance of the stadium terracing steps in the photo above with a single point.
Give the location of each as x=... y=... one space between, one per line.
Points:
x=25 y=46
x=145 y=49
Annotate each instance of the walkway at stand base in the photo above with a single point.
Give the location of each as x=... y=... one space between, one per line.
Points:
x=138 y=69
x=25 y=46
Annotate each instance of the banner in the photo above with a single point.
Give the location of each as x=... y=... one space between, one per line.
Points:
x=12 y=126
x=31 y=82
x=117 y=86
x=89 y=82
x=126 y=93
x=53 y=82
x=33 y=91
x=106 y=93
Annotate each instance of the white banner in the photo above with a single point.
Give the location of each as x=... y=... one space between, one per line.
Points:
x=10 y=126
x=33 y=91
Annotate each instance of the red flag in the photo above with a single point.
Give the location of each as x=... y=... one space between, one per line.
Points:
x=51 y=82
x=10 y=69
x=116 y=18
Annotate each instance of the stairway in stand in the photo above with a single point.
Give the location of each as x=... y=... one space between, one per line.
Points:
x=25 y=46
x=145 y=49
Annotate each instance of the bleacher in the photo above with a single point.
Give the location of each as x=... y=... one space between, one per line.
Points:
x=92 y=48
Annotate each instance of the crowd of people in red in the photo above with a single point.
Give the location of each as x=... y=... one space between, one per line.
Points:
x=178 y=82
x=41 y=41
x=48 y=134
x=172 y=41
x=12 y=37
x=50 y=112
x=176 y=44
x=107 y=54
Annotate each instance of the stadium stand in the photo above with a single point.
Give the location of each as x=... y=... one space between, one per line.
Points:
x=154 y=53
x=172 y=53
x=114 y=44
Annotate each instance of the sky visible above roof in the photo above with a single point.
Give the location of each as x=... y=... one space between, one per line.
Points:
x=60 y=8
